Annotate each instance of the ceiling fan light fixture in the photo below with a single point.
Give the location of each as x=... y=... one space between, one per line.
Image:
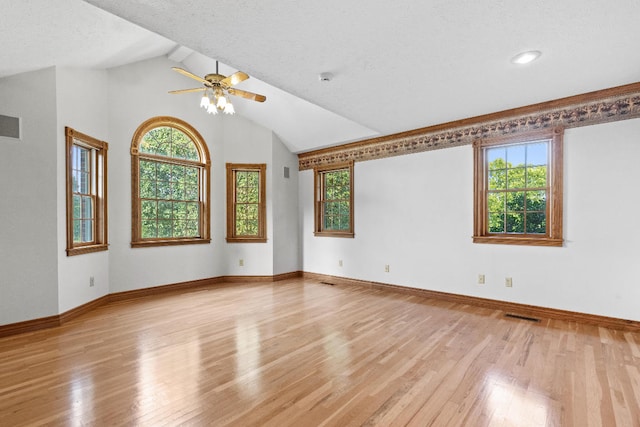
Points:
x=212 y=108
x=205 y=101
x=222 y=101
x=526 y=57
x=217 y=89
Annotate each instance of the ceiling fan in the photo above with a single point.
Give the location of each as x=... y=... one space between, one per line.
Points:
x=216 y=88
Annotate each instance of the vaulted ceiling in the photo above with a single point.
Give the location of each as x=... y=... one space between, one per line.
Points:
x=396 y=65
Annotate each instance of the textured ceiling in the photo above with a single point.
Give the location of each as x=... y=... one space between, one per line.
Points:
x=397 y=65
x=37 y=34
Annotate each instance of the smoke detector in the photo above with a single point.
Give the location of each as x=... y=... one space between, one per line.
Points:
x=325 y=77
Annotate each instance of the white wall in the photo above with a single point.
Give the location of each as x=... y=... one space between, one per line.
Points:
x=28 y=204
x=285 y=209
x=415 y=213
x=138 y=92
x=246 y=142
x=81 y=105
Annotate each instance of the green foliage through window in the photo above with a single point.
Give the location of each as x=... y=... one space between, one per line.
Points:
x=247 y=203
x=336 y=200
x=517 y=188
x=169 y=191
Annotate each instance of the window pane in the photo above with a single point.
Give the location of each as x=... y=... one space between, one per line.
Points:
x=149 y=229
x=515 y=201
x=87 y=230
x=242 y=195
x=515 y=178
x=253 y=179
x=193 y=210
x=191 y=192
x=179 y=210
x=164 y=172
x=516 y=155
x=536 y=200
x=192 y=228
x=537 y=153
x=179 y=228
x=253 y=196
x=177 y=192
x=75 y=181
x=165 y=228
x=498 y=179
x=515 y=222
x=77 y=231
x=165 y=210
x=147 y=189
x=87 y=207
x=85 y=182
x=536 y=223
x=149 y=209
x=147 y=170
x=191 y=176
x=495 y=202
x=77 y=207
x=496 y=222
x=496 y=158
x=163 y=190
x=537 y=176
x=178 y=173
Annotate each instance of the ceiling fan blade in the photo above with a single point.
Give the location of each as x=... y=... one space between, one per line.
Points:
x=248 y=95
x=197 y=89
x=188 y=74
x=234 y=79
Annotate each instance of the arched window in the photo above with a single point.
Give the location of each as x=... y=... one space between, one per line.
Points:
x=170 y=168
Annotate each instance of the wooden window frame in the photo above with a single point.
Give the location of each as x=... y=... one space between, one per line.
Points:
x=319 y=201
x=232 y=168
x=204 y=166
x=98 y=178
x=553 y=235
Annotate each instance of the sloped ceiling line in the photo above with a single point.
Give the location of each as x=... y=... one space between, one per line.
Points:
x=578 y=111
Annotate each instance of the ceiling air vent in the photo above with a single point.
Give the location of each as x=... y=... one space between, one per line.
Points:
x=10 y=126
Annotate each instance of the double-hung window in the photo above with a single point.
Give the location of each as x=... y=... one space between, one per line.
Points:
x=246 y=203
x=333 y=189
x=518 y=189
x=170 y=184
x=86 y=182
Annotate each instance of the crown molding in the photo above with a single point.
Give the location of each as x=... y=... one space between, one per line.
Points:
x=607 y=105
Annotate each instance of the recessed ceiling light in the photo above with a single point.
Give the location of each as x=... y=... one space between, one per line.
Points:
x=526 y=57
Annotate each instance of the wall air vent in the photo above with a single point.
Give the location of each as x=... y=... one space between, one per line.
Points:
x=10 y=126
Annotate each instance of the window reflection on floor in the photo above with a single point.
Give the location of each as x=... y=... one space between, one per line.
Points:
x=513 y=405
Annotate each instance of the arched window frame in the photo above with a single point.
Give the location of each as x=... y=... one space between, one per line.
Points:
x=204 y=168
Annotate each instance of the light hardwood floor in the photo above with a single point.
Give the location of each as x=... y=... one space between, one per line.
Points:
x=302 y=353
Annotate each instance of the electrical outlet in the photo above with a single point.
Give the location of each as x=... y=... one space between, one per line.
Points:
x=241 y=262
x=508 y=282
x=92 y=281
x=386 y=268
x=339 y=263
x=480 y=279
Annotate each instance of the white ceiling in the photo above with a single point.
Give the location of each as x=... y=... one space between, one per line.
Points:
x=397 y=65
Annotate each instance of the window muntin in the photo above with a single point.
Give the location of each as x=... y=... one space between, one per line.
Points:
x=86 y=172
x=334 y=201
x=170 y=164
x=518 y=189
x=246 y=202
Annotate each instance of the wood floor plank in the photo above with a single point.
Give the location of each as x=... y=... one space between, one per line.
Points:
x=302 y=353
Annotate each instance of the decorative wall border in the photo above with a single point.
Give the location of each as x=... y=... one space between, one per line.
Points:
x=607 y=105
